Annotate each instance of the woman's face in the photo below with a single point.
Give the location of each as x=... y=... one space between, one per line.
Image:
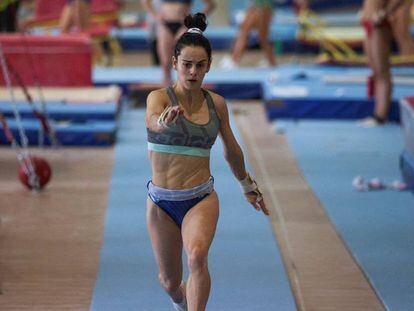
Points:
x=192 y=64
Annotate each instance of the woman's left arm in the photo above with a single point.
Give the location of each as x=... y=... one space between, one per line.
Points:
x=235 y=158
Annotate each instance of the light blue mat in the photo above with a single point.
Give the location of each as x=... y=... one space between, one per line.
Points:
x=245 y=264
x=377 y=226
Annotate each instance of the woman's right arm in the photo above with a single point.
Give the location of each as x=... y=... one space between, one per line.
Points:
x=158 y=115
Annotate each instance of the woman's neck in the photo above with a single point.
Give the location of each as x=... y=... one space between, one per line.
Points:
x=191 y=100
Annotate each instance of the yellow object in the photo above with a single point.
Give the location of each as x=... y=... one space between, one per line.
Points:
x=335 y=49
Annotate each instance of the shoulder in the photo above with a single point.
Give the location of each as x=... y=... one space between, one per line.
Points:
x=157 y=94
x=219 y=104
x=157 y=98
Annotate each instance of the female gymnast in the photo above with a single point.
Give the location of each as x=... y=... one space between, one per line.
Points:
x=183 y=122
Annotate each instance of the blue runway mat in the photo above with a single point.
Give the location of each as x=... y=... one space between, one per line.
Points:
x=301 y=91
x=88 y=133
x=377 y=226
x=245 y=264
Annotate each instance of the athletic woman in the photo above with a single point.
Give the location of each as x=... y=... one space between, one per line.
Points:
x=183 y=122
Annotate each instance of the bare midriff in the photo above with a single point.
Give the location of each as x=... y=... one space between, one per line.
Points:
x=173 y=171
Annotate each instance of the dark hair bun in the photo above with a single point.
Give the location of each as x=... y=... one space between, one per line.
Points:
x=198 y=20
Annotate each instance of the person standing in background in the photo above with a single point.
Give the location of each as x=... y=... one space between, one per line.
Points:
x=169 y=27
x=375 y=17
x=258 y=16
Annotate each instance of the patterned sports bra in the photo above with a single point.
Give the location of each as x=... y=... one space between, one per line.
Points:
x=186 y=137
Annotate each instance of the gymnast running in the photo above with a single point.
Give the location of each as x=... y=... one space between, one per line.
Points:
x=169 y=24
x=183 y=122
x=375 y=20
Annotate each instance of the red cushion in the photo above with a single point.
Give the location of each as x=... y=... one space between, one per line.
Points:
x=64 y=60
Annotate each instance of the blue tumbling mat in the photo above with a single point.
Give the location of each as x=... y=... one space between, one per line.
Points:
x=89 y=133
x=245 y=265
x=407 y=123
x=243 y=83
x=303 y=91
x=377 y=226
x=221 y=38
x=61 y=110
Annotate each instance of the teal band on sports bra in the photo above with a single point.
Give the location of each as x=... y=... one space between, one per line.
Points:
x=184 y=150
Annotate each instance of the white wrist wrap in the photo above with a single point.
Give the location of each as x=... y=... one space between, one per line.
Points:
x=248 y=184
x=163 y=115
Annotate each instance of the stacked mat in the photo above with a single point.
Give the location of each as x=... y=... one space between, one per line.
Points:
x=407 y=156
x=61 y=69
x=241 y=83
x=64 y=60
x=324 y=92
x=80 y=116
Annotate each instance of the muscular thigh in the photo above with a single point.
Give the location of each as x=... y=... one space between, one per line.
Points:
x=166 y=241
x=165 y=38
x=264 y=21
x=251 y=20
x=199 y=225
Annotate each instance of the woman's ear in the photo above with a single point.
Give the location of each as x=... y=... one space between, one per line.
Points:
x=174 y=62
x=209 y=64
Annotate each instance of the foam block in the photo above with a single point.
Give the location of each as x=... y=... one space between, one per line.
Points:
x=64 y=60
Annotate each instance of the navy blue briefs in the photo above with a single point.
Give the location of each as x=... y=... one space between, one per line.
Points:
x=177 y=203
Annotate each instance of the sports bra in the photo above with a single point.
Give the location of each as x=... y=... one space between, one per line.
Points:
x=186 y=137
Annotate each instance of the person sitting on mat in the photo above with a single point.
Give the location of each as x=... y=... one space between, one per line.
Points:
x=375 y=20
x=183 y=122
x=258 y=16
x=75 y=14
x=169 y=26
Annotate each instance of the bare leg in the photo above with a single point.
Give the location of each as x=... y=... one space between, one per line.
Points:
x=167 y=246
x=401 y=24
x=165 y=48
x=198 y=231
x=81 y=14
x=66 y=18
x=248 y=24
x=380 y=50
x=264 y=24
